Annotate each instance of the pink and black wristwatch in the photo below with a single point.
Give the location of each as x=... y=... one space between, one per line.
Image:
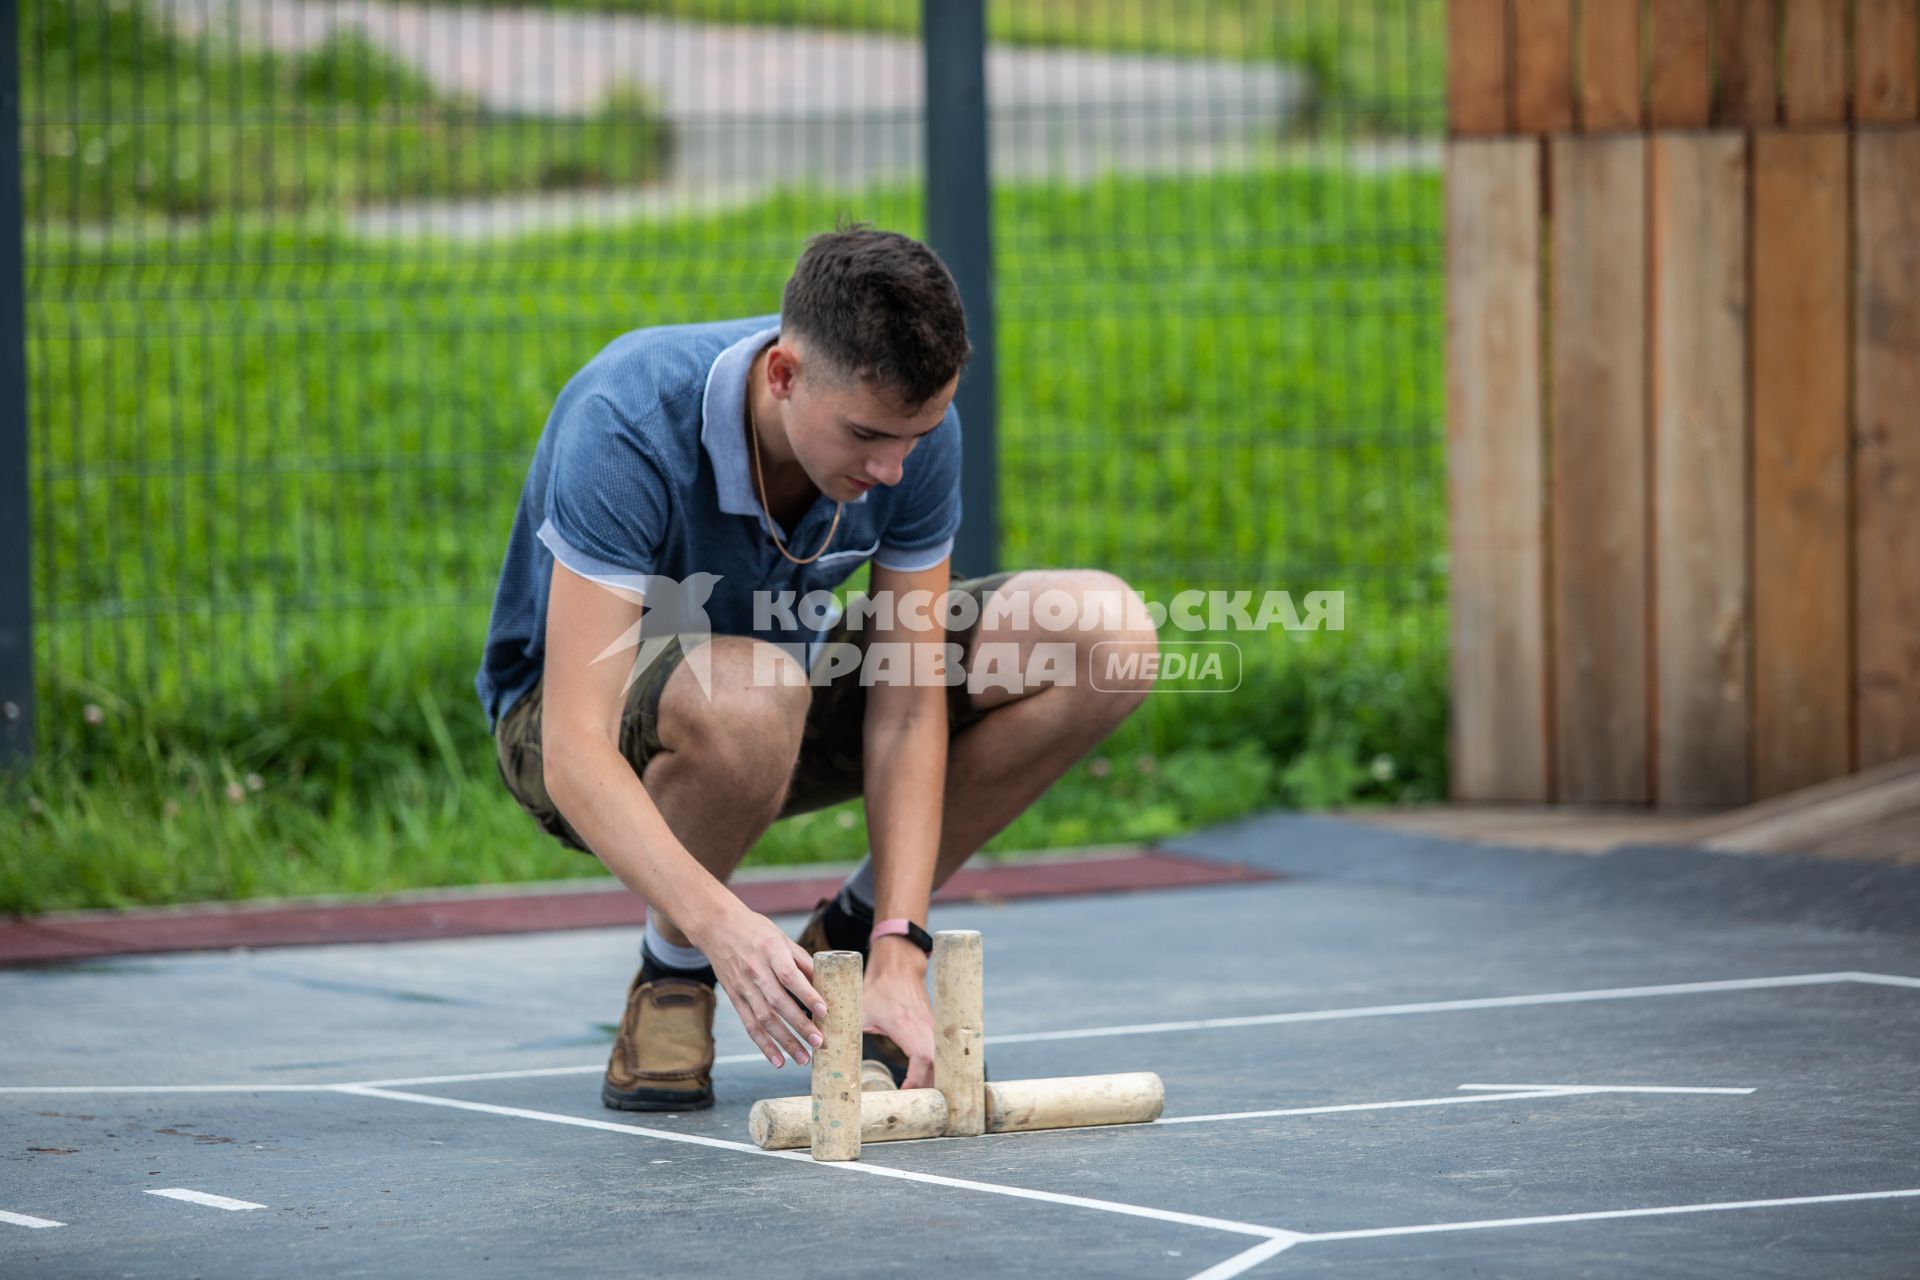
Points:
x=904 y=928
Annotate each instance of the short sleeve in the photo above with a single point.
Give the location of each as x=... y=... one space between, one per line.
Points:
x=920 y=534
x=608 y=505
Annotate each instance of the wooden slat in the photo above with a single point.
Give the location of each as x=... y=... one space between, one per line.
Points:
x=1609 y=65
x=1599 y=470
x=1677 y=95
x=1886 y=48
x=1815 y=41
x=1495 y=471
x=1477 y=90
x=1702 y=701
x=1543 y=66
x=1746 y=88
x=1887 y=442
x=1801 y=646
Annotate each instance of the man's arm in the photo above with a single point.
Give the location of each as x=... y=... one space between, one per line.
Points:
x=905 y=749
x=594 y=786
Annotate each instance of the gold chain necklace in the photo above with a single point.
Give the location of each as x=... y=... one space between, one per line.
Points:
x=760 y=483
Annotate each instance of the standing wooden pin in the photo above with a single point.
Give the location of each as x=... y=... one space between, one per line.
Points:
x=959 y=1040
x=836 y=1063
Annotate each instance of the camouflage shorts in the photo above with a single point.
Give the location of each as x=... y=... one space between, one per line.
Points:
x=829 y=767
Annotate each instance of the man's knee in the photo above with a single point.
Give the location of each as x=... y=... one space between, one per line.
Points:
x=1117 y=639
x=737 y=707
x=1094 y=615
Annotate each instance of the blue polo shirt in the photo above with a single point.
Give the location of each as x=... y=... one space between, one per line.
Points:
x=642 y=471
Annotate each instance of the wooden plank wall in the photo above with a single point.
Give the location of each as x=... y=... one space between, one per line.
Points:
x=1698 y=318
x=1800 y=629
x=1744 y=59
x=1886 y=464
x=1543 y=66
x=1677 y=93
x=1683 y=396
x=1494 y=469
x=1598 y=471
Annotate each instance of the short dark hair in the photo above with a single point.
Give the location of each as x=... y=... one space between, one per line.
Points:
x=881 y=307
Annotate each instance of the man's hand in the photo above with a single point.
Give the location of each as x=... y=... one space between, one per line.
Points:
x=894 y=1003
x=764 y=974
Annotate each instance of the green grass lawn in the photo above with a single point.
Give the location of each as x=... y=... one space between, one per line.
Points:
x=121 y=118
x=267 y=530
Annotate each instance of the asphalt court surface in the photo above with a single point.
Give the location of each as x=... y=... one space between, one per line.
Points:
x=1409 y=1057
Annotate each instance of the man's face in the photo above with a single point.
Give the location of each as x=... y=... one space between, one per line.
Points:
x=848 y=435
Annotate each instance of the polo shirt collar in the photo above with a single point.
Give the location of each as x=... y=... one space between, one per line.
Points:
x=723 y=416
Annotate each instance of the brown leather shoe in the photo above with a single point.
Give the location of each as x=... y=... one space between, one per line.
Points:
x=663 y=1056
x=878 y=1052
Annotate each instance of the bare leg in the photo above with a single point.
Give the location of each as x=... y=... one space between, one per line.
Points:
x=999 y=766
x=722 y=774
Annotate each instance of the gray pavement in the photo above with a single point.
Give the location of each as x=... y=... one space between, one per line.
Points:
x=1677 y=1081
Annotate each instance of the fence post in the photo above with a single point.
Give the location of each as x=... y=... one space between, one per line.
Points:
x=16 y=551
x=959 y=215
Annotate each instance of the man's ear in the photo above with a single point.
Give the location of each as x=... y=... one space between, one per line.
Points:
x=783 y=370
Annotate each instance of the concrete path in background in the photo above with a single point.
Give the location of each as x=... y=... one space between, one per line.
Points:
x=756 y=108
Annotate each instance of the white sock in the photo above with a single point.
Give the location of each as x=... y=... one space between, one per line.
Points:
x=859 y=885
x=669 y=955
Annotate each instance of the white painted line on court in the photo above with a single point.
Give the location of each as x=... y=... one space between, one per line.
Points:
x=1451 y=1100
x=578 y=1122
x=203 y=1197
x=1507 y=1093
x=1885 y=979
x=1245 y=1261
x=28 y=1220
x=872 y=1170
x=528 y=1073
x=1435 y=1006
x=1493 y=1224
x=165 y=1088
x=592 y=1068
x=531 y=1073
x=1510 y=1093
x=1083 y=1033
x=1614 y=1088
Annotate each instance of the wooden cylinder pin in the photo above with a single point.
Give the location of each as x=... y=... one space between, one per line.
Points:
x=887 y=1115
x=959 y=1015
x=836 y=1063
x=1071 y=1102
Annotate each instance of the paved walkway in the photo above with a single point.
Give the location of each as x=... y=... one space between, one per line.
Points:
x=755 y=108
x=563 y=63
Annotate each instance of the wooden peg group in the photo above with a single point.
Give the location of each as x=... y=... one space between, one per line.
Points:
x=852 y=1103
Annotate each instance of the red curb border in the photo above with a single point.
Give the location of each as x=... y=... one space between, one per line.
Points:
x=59 y=939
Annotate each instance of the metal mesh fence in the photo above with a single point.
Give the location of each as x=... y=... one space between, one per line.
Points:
x=1220 y=295
x=305 y=276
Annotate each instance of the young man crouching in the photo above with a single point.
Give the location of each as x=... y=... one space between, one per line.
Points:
x=721 y=473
